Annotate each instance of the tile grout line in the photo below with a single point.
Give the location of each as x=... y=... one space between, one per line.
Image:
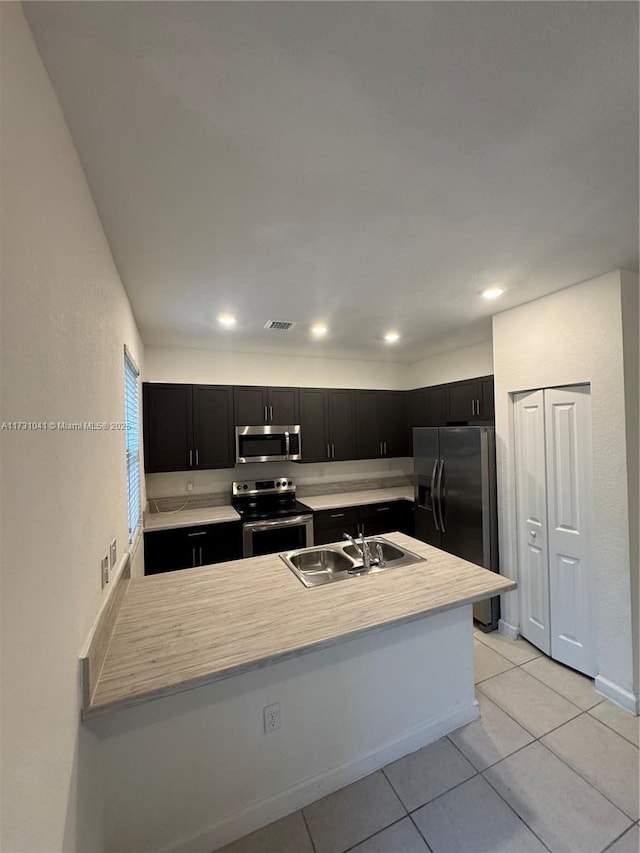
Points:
x=538 y=739
x=306 y=823
x=520 y=818
x=373 y=834
x=611 y=727
x=437 y=797
x=609 y=846
x=420 y=832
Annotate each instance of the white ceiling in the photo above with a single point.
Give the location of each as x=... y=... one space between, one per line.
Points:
x=372 y=165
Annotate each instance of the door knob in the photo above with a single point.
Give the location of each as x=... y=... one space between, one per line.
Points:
x=533 y=534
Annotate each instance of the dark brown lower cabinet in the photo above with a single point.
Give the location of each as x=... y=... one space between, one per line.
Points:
x=330 y=525
x=191 y=547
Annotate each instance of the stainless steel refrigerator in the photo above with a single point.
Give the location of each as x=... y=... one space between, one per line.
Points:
x=455 y=499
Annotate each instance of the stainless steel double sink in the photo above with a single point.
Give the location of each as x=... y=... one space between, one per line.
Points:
x=323 y=564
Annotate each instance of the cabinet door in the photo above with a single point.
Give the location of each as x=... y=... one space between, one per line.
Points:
x=313 y=425
x=417 y=413
x=437 y=408
x=166 y=551
x=168 y=427
x=250 y=405
x=391 y=420
x=283 y=406
x=377 y=519
x=461 y=401
x=213 y=436
x=368 y=434
x=330 y=525
x=341 y=424
x=486 y=398
x=223 y=542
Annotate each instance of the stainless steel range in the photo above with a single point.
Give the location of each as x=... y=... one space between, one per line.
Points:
x=272 y=519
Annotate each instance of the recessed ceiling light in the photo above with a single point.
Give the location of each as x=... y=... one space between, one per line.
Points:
x=226 y=320
x=392 y=337
x=493 y=292
x=319 y=329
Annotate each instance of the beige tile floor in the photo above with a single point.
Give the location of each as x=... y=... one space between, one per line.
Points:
x=549 y=765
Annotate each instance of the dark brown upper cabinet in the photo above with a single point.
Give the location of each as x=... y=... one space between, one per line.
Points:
x=470 y=400
x=187 y=427
x=380 y=424
x=213 y=438
x=313 y=425
x=255 y=405
x=328 y=424
x=341 y=424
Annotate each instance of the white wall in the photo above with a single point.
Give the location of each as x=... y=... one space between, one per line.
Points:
x=465 y=363
x=163 y=364
x=631 y=326
x=576 y=336
x=65 y=320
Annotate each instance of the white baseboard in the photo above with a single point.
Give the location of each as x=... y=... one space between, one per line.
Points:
x=511 y=631
x=279 y=805
x=624 y=698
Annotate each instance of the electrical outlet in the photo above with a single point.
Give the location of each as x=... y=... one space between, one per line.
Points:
x=104 y=570
x=271 y=718
x=189 y=485
x=113 y=553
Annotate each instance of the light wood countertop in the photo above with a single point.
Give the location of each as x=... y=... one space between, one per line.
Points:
x=183 y=629
x=361 y=498
x=189 y=517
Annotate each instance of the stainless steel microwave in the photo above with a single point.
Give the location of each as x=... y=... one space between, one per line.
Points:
x=268 y=443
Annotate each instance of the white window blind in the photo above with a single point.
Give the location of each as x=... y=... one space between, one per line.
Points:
x=132 y=432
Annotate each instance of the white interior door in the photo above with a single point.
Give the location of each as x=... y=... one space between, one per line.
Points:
x=569 y=501
x=531 y=508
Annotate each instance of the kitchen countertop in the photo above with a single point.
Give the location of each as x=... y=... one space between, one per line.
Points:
x=370 y=496
x=189 y=517
x=183 y=629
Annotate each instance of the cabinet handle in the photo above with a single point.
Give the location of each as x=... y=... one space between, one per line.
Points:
x=328 y=451
x=271 y=413
x=193 y=556
x=265 y=414
x=385 y=448
x=333 y=451
x=383 y=509
x=473 y=407
x=200 y=550
x=337 y=515
x=199 y=533
x=197 y=458
x=190 y=458
x=478 y=407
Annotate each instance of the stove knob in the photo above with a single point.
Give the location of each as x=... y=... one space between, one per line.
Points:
x=245 y=486
x=290 y=483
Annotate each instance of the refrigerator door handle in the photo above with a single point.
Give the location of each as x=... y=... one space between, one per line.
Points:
x=440 y=513
x=433 y=494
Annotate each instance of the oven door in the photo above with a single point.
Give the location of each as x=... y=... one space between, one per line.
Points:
x=271 y=537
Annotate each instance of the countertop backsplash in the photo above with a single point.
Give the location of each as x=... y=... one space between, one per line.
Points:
x=172 y=503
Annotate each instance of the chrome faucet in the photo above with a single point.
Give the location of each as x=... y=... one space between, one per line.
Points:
x=362 y=549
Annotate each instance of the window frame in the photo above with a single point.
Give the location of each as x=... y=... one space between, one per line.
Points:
x=132 y=453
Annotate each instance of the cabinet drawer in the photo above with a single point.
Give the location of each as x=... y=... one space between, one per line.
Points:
x=348 y=515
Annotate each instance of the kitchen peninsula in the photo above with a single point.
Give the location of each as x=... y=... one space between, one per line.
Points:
x=364 y=671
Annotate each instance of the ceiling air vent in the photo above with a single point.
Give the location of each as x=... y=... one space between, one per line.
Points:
x=279 y=325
